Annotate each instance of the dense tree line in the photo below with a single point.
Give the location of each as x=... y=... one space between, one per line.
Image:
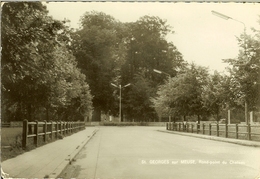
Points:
x=109 y=51
x=51 y=72
x=40 y=78
x=196 y=92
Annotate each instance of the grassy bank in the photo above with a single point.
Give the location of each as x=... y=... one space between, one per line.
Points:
x=11 y=142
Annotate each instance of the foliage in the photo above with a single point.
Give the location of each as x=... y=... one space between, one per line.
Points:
x=109 y=51
x=138 y=105
x=147 y=49
x=37 y=69
x=182 y=95
x=245 y=72
x=98 y=49
x=213 y=94
x=194 y=92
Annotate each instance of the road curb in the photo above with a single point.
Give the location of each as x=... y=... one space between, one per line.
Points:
x=56 y=172
x=215 y=138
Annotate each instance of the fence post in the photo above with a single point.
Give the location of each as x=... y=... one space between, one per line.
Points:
x=226 y=130
x=51 y=130
x=187 y=127
x=198 y=128
x=249 y=131
x=203 y=128
x=45 y=131
x=60 y=128
x=167 y=126
x=217 y=129
x=236 y=131
x=36 y=133
x=69 y=127
x=25 y=133
x=57 y=129
x=66 y=127
x=192 y=128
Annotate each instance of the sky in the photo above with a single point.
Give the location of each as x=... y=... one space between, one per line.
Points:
x=200 y=36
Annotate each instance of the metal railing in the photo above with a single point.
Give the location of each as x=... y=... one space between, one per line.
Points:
x=237 y=131
x=48 y=129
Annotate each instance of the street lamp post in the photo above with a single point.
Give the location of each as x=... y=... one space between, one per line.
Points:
x=227 y=18
x=120 y=98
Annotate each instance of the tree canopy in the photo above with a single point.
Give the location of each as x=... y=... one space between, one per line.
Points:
x=51 y=72
x=38 y=71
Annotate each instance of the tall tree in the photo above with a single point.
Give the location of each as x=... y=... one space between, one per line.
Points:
x=245 y=72
x=34 y=60
x=183 y=93
x=137 y=103
x=213 y=94
x=99 y=51
x=148 y=49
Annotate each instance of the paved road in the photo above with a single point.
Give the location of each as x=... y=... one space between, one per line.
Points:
x=145 y=153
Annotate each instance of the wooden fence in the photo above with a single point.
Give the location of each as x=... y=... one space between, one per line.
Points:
x=237 y=131
x=5 y=124
x=48 y=129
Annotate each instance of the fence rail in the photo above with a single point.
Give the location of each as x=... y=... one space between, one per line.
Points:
x=5 y=124
x=238 y=131
x=48 y=129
